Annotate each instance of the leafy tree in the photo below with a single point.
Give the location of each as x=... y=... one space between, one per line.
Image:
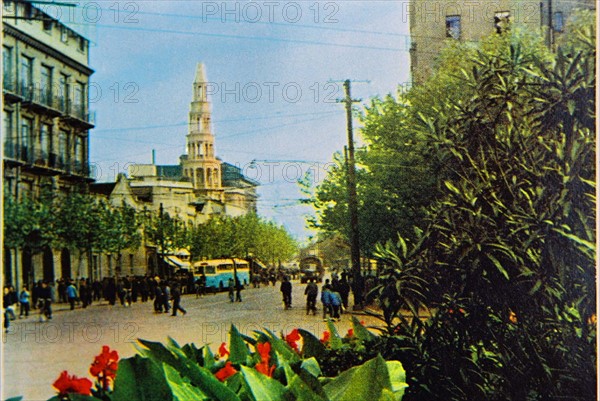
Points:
x=78 y=224
x=508 y=249
x=121 y=229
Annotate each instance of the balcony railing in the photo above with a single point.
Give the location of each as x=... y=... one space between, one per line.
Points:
x=80 y=113
x=41 y=97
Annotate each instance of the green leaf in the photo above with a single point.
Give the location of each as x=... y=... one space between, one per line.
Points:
x=303 y=392
x=311 y=366
x=361 y=331
x=282 y=347
x=140 y=379
x=261 y=387
x=364 y=382
x=182 y=390
x=312 y=345
x=498 y=265
x=397 y=378
x=237 y=347
x=335 y=341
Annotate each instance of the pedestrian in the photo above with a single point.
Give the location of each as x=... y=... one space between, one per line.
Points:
x=72 y=294
x=84 y=293
x=158 y=295
x=176 y=297
x=45 y=302
x=111 y=291
x=166 y=297
x=286 y=290
x=231 y=288
x=326 y=299
x=336 y=304
x=311 y=293
x=344 y=290
x=24 y=301
x=238 y=289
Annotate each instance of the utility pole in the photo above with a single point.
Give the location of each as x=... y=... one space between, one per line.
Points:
x=161 y=236
x=550 y=27
x=352 y=200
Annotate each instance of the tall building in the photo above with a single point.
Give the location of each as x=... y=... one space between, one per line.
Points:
x=200 y=187
x=200 y=165
x=45 y=122
x=433 y=24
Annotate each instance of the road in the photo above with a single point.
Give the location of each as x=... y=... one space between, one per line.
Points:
x=35 y=353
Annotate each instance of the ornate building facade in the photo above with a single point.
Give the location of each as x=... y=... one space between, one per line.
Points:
x=45 y=123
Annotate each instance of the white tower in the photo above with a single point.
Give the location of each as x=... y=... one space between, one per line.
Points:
x=201 y=166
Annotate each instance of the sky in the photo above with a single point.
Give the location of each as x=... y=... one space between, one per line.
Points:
x=275 y=69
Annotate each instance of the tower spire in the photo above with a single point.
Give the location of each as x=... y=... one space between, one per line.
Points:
x=201 y=165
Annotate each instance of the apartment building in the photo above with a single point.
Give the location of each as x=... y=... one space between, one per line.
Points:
x=435 y=23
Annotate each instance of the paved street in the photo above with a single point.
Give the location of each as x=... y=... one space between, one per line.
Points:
x=35 y=353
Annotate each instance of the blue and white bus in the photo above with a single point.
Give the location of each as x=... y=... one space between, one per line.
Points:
x=219 y=271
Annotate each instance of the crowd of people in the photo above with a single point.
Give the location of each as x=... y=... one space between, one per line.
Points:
x=166 y=294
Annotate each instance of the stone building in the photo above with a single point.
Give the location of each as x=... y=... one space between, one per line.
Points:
x=434 y=23
x=45 y=122
x=201 y=187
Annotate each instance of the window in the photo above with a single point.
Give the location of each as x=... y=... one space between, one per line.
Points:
x=7 y=128
x=78 y=100
x=82 y=43
x=558 y=22
x=63 y=99
x=7 y=65
x=64 y=34
x=45 y=134
x=47 y=24
x=501 y=21
x=453 y=26
x=46 y=85
x=62 y=148
x=26 y=75
x=26 y=127
x=78 y=151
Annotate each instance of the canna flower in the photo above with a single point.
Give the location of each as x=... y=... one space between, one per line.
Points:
x=66 y=384
x=223 y=352
x=264 y=350
x=105 y=366
x=227 y=371
x=265 y=369
x=325 y=337
x=512 y=317
x=350 y=333
x=292 y=339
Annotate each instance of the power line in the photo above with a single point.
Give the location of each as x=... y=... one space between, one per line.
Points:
x=245 y=37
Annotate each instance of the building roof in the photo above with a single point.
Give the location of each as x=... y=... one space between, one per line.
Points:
x=232 y=176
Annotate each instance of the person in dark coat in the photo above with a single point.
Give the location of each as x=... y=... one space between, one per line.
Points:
x=111 y=291
x=286 y=290
x=46 y=301
x=238 y=289
x=176 y=297
x=344 y=290
x=311 y=293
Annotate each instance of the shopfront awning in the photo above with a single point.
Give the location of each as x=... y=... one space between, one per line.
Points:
x=176 y=262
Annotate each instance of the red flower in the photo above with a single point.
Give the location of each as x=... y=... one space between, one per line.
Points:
x=105 y=366
x=292 y=339
x=225 y=372
x=325 y=337
x=264 y=350
x=265 y=369
x=362 y=322
x=350 y=333
x=66 y=384
x=223 y=350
